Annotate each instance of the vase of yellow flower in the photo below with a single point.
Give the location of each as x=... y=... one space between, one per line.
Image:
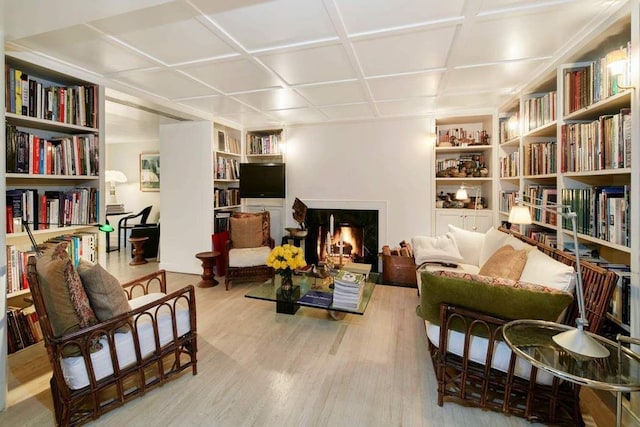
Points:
x=284 y=259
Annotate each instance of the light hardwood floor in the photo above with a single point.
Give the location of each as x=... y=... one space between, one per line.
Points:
x=259 y=368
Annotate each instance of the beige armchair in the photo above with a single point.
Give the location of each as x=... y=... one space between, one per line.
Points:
x=248 y=247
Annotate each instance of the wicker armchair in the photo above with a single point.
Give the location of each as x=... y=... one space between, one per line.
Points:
x=248 y=247
x=139 y=349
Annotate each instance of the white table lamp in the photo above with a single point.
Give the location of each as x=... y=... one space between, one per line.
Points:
x=575 y=340
x=113 y=177
x=462 y=194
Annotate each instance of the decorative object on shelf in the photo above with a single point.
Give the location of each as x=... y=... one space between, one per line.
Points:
x=149 y=171
x=284 y=259
x=222 y=141
x=113 y=177
x=575 y=340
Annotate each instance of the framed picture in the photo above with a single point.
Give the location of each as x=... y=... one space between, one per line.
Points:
x=222 y=141
x=149 y=171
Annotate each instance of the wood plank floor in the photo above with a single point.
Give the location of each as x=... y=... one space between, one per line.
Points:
x=259 y=368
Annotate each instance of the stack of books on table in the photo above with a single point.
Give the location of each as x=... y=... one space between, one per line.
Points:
x=115 y=209
x=347 y=291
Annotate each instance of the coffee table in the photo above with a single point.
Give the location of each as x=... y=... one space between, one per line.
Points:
x=270 y=291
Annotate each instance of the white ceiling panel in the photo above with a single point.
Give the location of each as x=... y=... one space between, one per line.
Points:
x=350 y=111
x=375 y=15
x=299 y=115
x=238 y=75
x=450 y=104
x=310 y=65
x=217 y=105
x=414 y=51
x=277 y=99
x=166 y=83
x=257 y=120
x=505 y=76
x=88 y=49
x=277 y=23
x=334 y=93
x=516 y=37
x=405 y=86
x=160 y=31
x=407 y=107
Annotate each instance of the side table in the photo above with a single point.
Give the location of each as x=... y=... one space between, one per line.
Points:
x=208 y=260
x=138 y=250
x=532 y=340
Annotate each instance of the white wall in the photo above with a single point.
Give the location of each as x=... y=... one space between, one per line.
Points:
x=125 y=157
x=385 y=160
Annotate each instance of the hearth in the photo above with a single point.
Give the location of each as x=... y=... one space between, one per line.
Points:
x=359 y=230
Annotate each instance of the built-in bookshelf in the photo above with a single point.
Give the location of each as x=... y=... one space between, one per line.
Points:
x=227 y=156
x=264 y=145
x=53 y=172
x=463 y=156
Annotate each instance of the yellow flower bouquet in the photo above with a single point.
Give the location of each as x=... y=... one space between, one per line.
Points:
x=284 y=259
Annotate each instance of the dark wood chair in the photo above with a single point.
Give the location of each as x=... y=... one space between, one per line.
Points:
x=124 y=224
x=248 y=263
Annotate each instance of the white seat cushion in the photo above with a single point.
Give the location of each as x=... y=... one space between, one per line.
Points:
x=478 y=352
x=249 y=257
x=74 y=370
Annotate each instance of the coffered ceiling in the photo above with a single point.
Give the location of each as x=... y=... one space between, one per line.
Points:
x=263 y=63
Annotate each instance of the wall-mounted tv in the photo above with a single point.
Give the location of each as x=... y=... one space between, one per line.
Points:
x=262 y=180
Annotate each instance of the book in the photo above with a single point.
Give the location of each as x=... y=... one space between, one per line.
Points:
x=317 y=299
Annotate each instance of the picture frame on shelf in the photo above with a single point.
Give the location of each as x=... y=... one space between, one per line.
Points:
x=149 y=171
x=222 y=141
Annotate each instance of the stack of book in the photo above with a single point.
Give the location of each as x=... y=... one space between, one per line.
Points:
x=115 y=209
x=348 y=287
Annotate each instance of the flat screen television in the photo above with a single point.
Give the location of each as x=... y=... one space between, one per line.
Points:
x=262 y=180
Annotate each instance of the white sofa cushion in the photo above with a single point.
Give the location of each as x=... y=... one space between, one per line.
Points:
x=436 y=249
x=493 y=240
x=543 y=270
x=478 y=353
x=468 y=243
x=249 y=257
x=74 y=369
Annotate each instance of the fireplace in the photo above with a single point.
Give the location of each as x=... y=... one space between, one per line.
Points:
x=359 y=230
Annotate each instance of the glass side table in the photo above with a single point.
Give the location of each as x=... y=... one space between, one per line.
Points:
x=532 y=340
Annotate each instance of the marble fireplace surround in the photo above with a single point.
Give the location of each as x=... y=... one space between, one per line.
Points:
x=349 y=205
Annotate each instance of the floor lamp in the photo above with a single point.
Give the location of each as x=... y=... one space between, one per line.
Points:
x=575 y=340
x=462 y=194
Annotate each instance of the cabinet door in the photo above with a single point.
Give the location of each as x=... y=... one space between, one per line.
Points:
x=467 y=219
x=444 y=217
x=482 y=221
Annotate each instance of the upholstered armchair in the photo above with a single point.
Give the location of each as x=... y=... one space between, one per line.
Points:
x=248 y=247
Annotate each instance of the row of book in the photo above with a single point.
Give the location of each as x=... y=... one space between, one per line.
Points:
x=509 y=127
x=540 y=158
x=600 y=144
x=508 y=200
x=227 y=168
x=510 y=165
x=31 y=154
x=539 y=110
x=52 y=209
x=23 y=328
x=80 y=245
x=223 y=197
x=543 y=236
x=461 y=136
x=263 y=144
x=594 y=82
x=542 y=195
x=620 y=305
x=221 y=221
x=348 y=289
x=602 y=212
x=34 y=97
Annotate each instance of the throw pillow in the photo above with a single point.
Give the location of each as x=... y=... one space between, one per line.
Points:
x=468 y=243
x=546 y=271
x=506 y=262
x=64 y=297
x=246 y=232
x=266 y=223
x=493 y=240
x=503 y=298
x=440 y=249
x=107 y=297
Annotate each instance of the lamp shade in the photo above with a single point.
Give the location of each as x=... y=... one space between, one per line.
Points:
x=520 y=215
x=115 y=176
x=462 y=194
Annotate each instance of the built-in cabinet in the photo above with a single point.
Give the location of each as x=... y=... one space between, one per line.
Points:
x=54 y=175
x=464 y=159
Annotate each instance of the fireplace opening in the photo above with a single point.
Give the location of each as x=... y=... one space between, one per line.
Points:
x=359 y=230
